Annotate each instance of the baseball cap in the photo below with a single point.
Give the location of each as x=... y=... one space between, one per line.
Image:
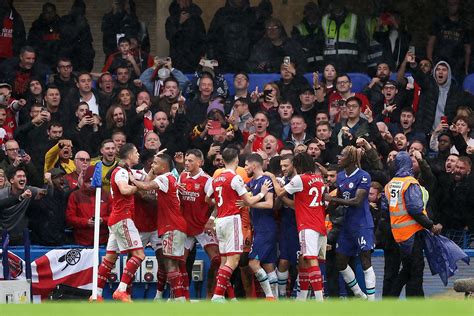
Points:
x=392 y=83
x=5 y=85
x=56 y=172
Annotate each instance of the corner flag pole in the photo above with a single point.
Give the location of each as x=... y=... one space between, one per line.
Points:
x=97 y=183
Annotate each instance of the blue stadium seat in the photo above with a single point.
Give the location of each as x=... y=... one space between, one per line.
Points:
x=359 y=80
x=469 y=83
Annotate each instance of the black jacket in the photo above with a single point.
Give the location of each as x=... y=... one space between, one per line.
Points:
x=44 y=36
x=76 y=41
x=454 y=203
x=265 y=51
x=429 y=98
x=231 y=36
x=187 y=40
x=19 y=78
x=118 y=23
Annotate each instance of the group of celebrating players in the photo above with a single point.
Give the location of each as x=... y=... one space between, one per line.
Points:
x=235 y=222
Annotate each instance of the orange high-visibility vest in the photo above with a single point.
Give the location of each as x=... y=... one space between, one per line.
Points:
x=403 y=224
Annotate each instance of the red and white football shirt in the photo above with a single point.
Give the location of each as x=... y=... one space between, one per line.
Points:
x=169 y=214
x=193 y=200
x=227 y=188
x=308 y=190
x=123 y=206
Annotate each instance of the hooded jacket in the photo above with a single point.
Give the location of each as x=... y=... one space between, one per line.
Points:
x=430 y=104
x=187 y=40
x=413 y=197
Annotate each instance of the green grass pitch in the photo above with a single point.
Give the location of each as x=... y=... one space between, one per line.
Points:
x=429 y=307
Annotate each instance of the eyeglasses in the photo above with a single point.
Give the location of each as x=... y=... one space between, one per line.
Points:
x=343 y=82
x=83 y=159
x=352 y=106
x=274 y=27
x=13 y=149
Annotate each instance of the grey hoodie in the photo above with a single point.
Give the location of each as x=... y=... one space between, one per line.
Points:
x=443 y=94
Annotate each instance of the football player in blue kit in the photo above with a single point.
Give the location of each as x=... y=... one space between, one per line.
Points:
x=288 y=242
x=263 y=254
x=356 y=237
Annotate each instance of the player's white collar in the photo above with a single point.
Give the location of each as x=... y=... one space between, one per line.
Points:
x=353 y=173
x=197 y=175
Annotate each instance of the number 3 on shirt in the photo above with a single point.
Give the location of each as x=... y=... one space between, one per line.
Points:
x=315 y=192
x=219 y=192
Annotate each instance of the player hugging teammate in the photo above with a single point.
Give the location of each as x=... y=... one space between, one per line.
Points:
x=182 y=208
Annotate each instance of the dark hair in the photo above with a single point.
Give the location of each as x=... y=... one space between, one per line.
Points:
x=167 y=158
x=105 y=141
x=79 y=104
x=326 y=123
x=82 y=73
x=466 y=160
x=50 y=5
x=54 y=124
x=264 y=113
x=147 y=154
x=323 y=79
x=274 y=165
x=171 y=79
x=299 y=116
x=125 y=150
x=206 y=74
x=343 y=75
x=230 y=154
x=196 y=152
x=3 y=107
x=255 y=158
x=303 y=163
x=407 y=109
x=11 y=171
x=287 y=157
x=51 y=86
x=123 y=39
x=63 y=58
x=356 y=99
x=332 y=167
x=28 y=49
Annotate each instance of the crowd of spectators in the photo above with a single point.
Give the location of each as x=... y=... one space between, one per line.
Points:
x=58 y=119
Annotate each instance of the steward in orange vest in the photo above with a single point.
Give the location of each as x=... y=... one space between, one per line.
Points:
x=406 y=205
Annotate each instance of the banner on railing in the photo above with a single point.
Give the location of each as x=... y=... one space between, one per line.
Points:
x=72 y=267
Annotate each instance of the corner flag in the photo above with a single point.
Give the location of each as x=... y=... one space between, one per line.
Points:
x=97 y=177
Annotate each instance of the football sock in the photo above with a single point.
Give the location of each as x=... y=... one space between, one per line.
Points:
x=161 y=281
x=304 y=284
x=369 y=276
x=282 y=282
x=316 y=280
x=273 y=280
x=103 y=274
x=223 y=280
x=351 y=281
x=130 y=269
x=185 y=278
x=176 y=284
x=262 y=277
x=230 y=291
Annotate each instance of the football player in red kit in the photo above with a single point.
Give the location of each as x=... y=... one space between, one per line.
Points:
x=308 y=190
x=123 y=235
x=193 y=185
x=226 y=190
x=171 y=223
